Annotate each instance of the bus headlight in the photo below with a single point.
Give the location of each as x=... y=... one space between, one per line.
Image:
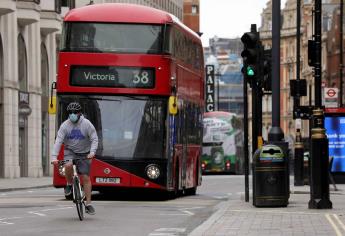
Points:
x=62 y=170
x=152 y=171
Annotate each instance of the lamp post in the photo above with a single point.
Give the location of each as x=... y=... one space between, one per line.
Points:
x=319 y=181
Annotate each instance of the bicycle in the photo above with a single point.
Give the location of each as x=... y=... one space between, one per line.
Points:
x=77 y=190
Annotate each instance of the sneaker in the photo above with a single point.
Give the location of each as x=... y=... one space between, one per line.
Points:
x=90 y=210
x=68 y=190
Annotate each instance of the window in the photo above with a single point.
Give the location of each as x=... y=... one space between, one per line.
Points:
x=64 y=3
x=102 y=37
x=22 y=64
x=195 y=9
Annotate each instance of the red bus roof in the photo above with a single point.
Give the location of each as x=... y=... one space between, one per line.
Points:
x=124 y=13
x=117 y=12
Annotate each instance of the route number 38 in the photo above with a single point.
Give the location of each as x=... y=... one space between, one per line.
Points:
x=141 y=77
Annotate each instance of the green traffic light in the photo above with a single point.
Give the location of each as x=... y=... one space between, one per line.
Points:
x=250 y=71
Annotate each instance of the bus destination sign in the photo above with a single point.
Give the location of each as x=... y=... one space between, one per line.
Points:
x=112 y=76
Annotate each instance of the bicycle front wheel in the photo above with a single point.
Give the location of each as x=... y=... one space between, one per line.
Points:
x=78 y=198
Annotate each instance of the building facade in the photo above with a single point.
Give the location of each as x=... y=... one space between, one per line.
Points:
x=288 y=47
x=191 y=15
x=27 y=68
x=30 y=32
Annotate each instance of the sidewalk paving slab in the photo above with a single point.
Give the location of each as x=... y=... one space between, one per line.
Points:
x=23 y=183
x=237 y=217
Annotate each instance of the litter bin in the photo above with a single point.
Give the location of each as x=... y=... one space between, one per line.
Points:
x=270 y=177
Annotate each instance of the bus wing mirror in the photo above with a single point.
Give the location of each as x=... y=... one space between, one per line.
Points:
x=52 y=105
x=172 y=105
x=52 y=101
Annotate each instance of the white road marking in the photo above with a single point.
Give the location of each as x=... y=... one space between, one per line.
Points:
x=167 y=232
x=4 y=220
x=6 y=223
x=220 y=197
x=186 y=210
x=55 y=209
x=36 y=213
x=180 y=230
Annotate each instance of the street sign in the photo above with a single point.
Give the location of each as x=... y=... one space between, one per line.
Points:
x=331 y=97
x=210 y=103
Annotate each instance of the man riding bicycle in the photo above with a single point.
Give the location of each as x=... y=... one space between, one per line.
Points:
x=79 y=136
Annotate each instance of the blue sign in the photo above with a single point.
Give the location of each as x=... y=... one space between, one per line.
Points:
x=335 y=130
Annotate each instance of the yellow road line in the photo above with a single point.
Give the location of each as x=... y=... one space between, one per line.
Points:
x=339 y=221
x=335 y=227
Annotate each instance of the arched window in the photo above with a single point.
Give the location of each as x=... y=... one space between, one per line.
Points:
x=22 y=64
x=45 y=99
x=44 y=71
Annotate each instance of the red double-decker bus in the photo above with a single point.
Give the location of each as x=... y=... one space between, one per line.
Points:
x=138 y=73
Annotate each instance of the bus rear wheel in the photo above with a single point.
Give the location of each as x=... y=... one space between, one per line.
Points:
x=176 y=192
x=192 y=191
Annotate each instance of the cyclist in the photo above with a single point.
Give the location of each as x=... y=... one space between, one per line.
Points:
x=79 y=136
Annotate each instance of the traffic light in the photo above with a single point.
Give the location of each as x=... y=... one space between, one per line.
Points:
x=250 y=54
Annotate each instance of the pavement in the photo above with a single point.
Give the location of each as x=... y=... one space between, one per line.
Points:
x=237 y=217
x=7 y=185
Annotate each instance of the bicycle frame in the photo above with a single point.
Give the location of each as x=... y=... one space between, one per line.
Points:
x=78 y=193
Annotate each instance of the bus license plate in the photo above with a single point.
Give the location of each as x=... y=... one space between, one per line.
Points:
x=108 y=180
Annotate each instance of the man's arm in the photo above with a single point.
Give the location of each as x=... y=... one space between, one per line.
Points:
x=94 y=140
x=58 y=142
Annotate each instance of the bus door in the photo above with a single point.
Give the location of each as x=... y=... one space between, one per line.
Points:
x=184 y=146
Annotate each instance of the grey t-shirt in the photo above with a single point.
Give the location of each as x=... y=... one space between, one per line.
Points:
x=80 y=137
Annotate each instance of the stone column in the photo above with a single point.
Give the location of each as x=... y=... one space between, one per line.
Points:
x=9 y=32
x=52 y=57
x=34 y=89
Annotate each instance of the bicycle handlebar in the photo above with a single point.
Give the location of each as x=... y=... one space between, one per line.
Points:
x=82 y=156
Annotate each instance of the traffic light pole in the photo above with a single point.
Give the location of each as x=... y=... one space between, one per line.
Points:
x=319 y=181
x=245 y=138
x=276 y=133
x=254 y=117
x=250 y=68
x=299 y=148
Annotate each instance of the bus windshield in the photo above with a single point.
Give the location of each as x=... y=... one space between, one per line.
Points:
x=106 y=37
x=127 y=127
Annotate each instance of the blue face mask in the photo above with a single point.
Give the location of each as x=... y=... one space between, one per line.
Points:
x=73 y=117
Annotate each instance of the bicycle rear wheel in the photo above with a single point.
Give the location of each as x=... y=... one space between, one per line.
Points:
x=78 y=198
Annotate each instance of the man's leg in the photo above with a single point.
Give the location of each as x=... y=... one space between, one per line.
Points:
x=87 y=188
x=84 y=170
x=68 y=175
x=69 y=172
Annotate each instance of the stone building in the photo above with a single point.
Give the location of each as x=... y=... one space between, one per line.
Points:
x=28 y=31
x=288 y=58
